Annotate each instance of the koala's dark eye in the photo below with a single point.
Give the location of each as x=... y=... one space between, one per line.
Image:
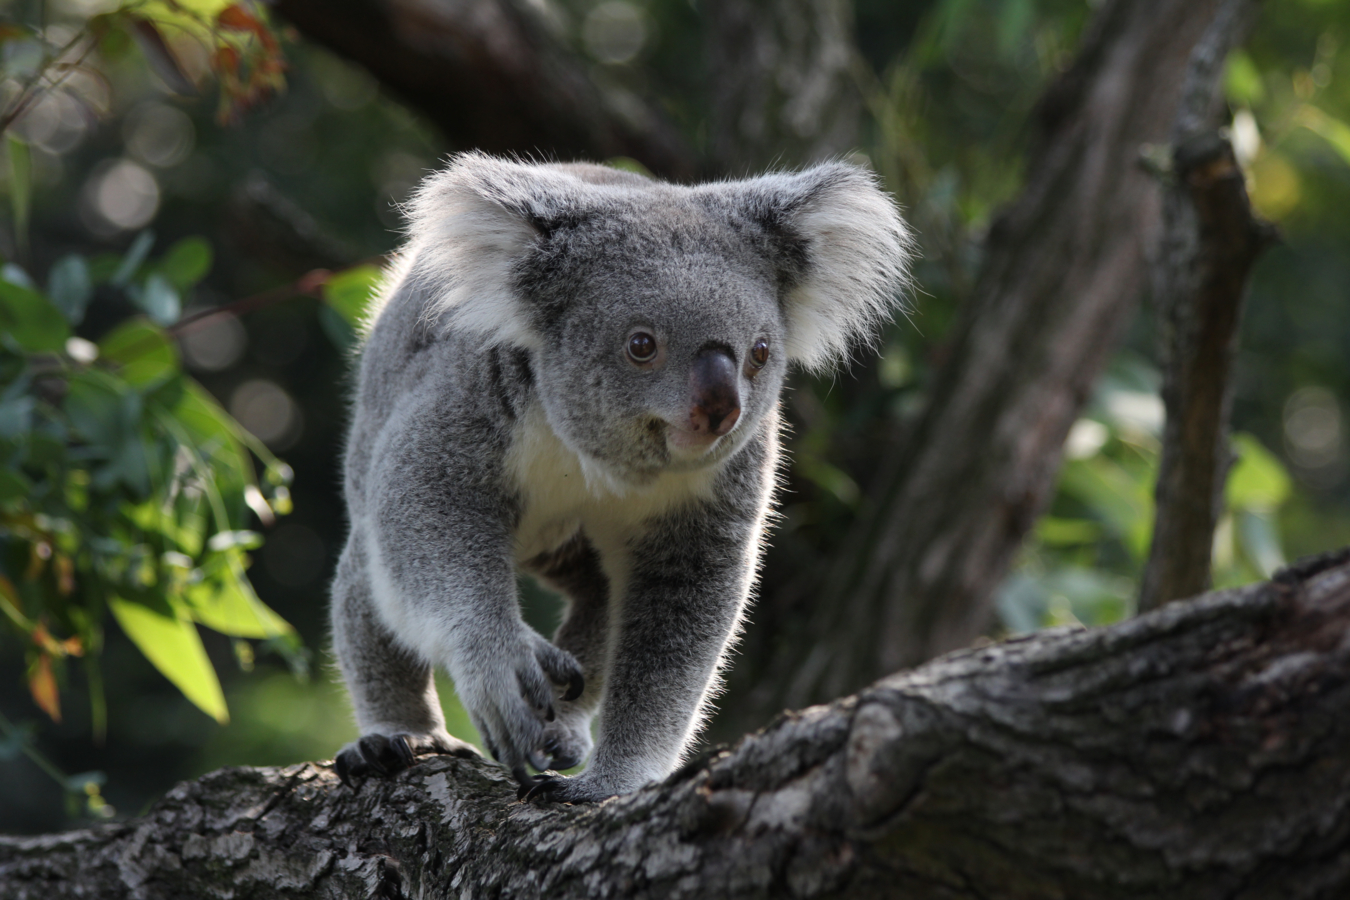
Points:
x=641 y=347
x=759 y=353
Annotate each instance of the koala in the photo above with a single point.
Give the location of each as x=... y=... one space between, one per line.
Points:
x=574 y=372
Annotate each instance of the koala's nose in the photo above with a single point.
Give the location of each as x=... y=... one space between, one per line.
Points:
x=715 y=401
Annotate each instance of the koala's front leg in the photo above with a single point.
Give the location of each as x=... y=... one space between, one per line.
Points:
x=688 y=582
x=443 y=580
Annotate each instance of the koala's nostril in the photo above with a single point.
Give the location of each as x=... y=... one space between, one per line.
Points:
x=715 y=400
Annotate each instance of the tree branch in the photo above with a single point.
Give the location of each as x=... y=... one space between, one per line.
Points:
x=1209 y=243
x=1195 y=752
x=491 y=74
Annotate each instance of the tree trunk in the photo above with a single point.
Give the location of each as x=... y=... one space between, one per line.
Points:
x=493 y=75
x=1210 y=241
x=1064 y=268
x=783 y=88
x=1195 y=752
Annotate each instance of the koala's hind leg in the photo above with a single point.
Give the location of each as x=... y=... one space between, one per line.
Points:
x=574 y=570
x=392 y=690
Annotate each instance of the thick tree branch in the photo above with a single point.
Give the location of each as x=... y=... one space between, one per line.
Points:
x=491 y=75
x=1196 y=752
x=1210 y=241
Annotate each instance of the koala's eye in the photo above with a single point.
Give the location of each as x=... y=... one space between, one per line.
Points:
x=759 y=353
x=641 y=347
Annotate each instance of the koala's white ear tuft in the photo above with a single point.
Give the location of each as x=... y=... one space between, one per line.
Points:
x=848 y=258
x=470 y=226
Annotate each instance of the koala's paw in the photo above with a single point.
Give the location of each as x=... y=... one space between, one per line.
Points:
x=386 y=755
x=567 y=742
x=512 y=704
x=550 y=787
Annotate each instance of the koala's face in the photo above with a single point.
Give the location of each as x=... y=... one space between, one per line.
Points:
x=660 y=317
x=662 y=337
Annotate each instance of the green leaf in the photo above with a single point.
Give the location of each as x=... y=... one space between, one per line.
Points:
x=131 y=261
x=159 y=299
x=70 y=287
x=143 y=353
x=185 y=263
x=31 y=320
x=1258 y=481
x=20 y=186
x=1260 y=539
x=1242 y=79
x=230 y=606
x=173 y=646
x=350 y=292
x=13 y=484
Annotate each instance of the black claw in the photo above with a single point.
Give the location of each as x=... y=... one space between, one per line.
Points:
x=540 y=785
x=350 y=766
x=401 y=748
x=549 y=714
x=575 y=685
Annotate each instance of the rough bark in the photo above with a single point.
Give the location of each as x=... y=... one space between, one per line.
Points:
x=1210 y=241
x=1196 y=752
x=493 y=75
x=783 y=91
x=1064 y=268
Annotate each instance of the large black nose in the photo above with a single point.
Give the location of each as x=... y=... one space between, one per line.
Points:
x=715 y=401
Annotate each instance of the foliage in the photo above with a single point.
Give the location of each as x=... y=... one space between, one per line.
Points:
x=126 y=489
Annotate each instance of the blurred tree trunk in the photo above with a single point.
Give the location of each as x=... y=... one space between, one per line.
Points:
x=1064 y=268
x=1209 y=244
x=494 y=75
x=1194 y=753
x=782 y=84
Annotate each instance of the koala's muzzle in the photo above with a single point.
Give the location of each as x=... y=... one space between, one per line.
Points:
x=715 y=400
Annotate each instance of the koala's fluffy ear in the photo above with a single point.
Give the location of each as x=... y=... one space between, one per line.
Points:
x=470 y=226
x=844 y=252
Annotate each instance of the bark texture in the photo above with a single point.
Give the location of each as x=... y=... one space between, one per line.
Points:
x=1210 y=241
x=494 y=75
x=1197 y=752
x=783 y=89
x=1064 y=268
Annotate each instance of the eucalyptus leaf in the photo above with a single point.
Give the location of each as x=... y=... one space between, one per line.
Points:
x=185 y=263
x=29 y=319
x=132 y=259
x=174 y=647
x=159 y=299
x=70 y=287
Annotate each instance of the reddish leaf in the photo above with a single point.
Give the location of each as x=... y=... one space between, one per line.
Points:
x=236 y=18
x=161 y=57
x=42 y=685
x=225 y=60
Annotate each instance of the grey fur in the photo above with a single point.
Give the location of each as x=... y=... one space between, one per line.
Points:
x=499 y=425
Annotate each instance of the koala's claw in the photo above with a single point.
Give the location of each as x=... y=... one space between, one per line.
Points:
x=386 y=755
x=540 y=785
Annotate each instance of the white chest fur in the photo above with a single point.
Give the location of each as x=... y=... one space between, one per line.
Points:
x=561 y=494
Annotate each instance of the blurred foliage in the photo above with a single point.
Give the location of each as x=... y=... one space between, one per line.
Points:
x=307 y=184
x=126 y=488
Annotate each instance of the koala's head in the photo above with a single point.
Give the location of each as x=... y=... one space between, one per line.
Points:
x=661 y=319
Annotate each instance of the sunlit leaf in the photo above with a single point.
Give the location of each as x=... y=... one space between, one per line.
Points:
x=70 y=287
x=350 y=292
x=1260 y=540
x=230 y=606
x=174 y=647
x=1258 y=480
